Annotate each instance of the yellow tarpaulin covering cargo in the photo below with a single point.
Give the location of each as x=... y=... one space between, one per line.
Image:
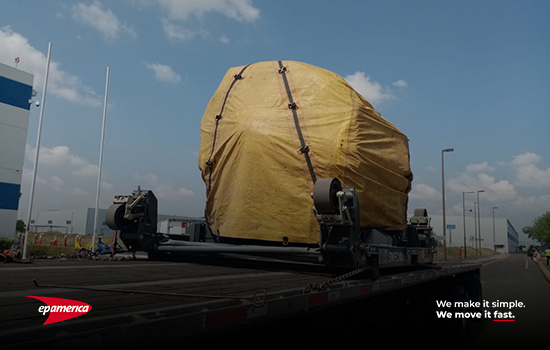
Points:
x=272 y=128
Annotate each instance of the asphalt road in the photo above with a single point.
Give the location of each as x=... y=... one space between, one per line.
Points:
x=515 y=278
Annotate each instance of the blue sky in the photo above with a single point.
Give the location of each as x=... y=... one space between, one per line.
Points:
x=468 y=75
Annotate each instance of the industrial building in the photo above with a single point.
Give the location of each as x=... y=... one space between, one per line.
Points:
x=15 y=93
x=506 y=238
x=69 y=221
x=79 y=221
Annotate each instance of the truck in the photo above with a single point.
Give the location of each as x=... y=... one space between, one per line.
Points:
x=299 y=167
x=308 y=185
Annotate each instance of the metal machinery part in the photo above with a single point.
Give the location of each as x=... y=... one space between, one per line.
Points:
x=337 y=212
x=135 y=216
x=422 y=222
x=345 y=243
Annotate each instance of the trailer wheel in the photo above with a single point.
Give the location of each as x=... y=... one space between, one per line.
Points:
x=475 y=294
x=459 y=325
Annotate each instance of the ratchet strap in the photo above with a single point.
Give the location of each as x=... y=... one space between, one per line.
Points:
x=218 y=118
x=304 y=149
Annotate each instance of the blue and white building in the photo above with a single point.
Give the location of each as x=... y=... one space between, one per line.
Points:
x=15 y=93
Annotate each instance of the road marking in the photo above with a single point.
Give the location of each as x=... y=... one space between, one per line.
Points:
x=45 y=291
x=494 y=261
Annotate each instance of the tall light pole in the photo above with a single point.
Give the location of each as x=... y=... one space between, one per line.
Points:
x=464 y=221
x=101 y=155
x=475 y=229
x=35 y=166
x=443 y=196
x=72 y=216
x=494 y=240
x=479 y=219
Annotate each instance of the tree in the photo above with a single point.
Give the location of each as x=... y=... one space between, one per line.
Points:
x=528 y=230
x=540 y=229
x=20 y=226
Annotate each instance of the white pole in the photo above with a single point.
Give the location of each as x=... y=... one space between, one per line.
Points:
x=101 y=156
x=42 y=106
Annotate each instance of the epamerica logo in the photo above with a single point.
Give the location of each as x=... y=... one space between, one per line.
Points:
x=61 y=309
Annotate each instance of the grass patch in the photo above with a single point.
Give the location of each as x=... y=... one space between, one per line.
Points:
x=46 y=249
x=41 y=250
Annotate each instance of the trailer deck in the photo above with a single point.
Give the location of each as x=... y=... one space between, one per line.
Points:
x=190 y=301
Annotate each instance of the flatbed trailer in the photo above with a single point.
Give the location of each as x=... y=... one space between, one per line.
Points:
x=357 y=283
x=157 y=303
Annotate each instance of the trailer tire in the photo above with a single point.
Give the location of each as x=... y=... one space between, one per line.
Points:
x=475 y=293
x=457 y=292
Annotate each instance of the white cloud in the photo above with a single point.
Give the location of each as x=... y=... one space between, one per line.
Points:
x=424 y=192
x=240 y=10
x=177 y=32
x=494 y=191
x=106 y=185
x=103 y=20
x=224 y=39
x=533 y=203
x=528 y=174
x=511 y=198
x=27 y=177
x=60 y=83
x=54 y=181
x=61 y=156
x=57 y=183
x=79 y=192
x=402 y=84
x=372 y=91
x=479 y=168
x=86 y=170
x=185 y=192
x=164 y=73
x=163 y=190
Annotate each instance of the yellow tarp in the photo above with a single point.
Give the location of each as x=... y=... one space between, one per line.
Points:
x=258 y=185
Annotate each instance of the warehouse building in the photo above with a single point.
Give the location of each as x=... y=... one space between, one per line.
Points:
x=79 y=221
x=15 y=93
x=506 y=238
x=69 y=221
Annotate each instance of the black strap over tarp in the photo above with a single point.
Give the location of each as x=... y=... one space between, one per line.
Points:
x=218 y=118
x=304 y=149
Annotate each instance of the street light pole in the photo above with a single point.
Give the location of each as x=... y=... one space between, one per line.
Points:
x=494 y=240
x=72 y=216
x=464 y=221
x=443 y=197
x=479 y=219
x=101 y=156
x=475 y=229
x=38 y=137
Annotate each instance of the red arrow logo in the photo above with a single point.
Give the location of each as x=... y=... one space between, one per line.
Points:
x=61 y=309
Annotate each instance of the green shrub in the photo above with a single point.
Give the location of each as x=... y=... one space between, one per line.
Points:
x=6 y=243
